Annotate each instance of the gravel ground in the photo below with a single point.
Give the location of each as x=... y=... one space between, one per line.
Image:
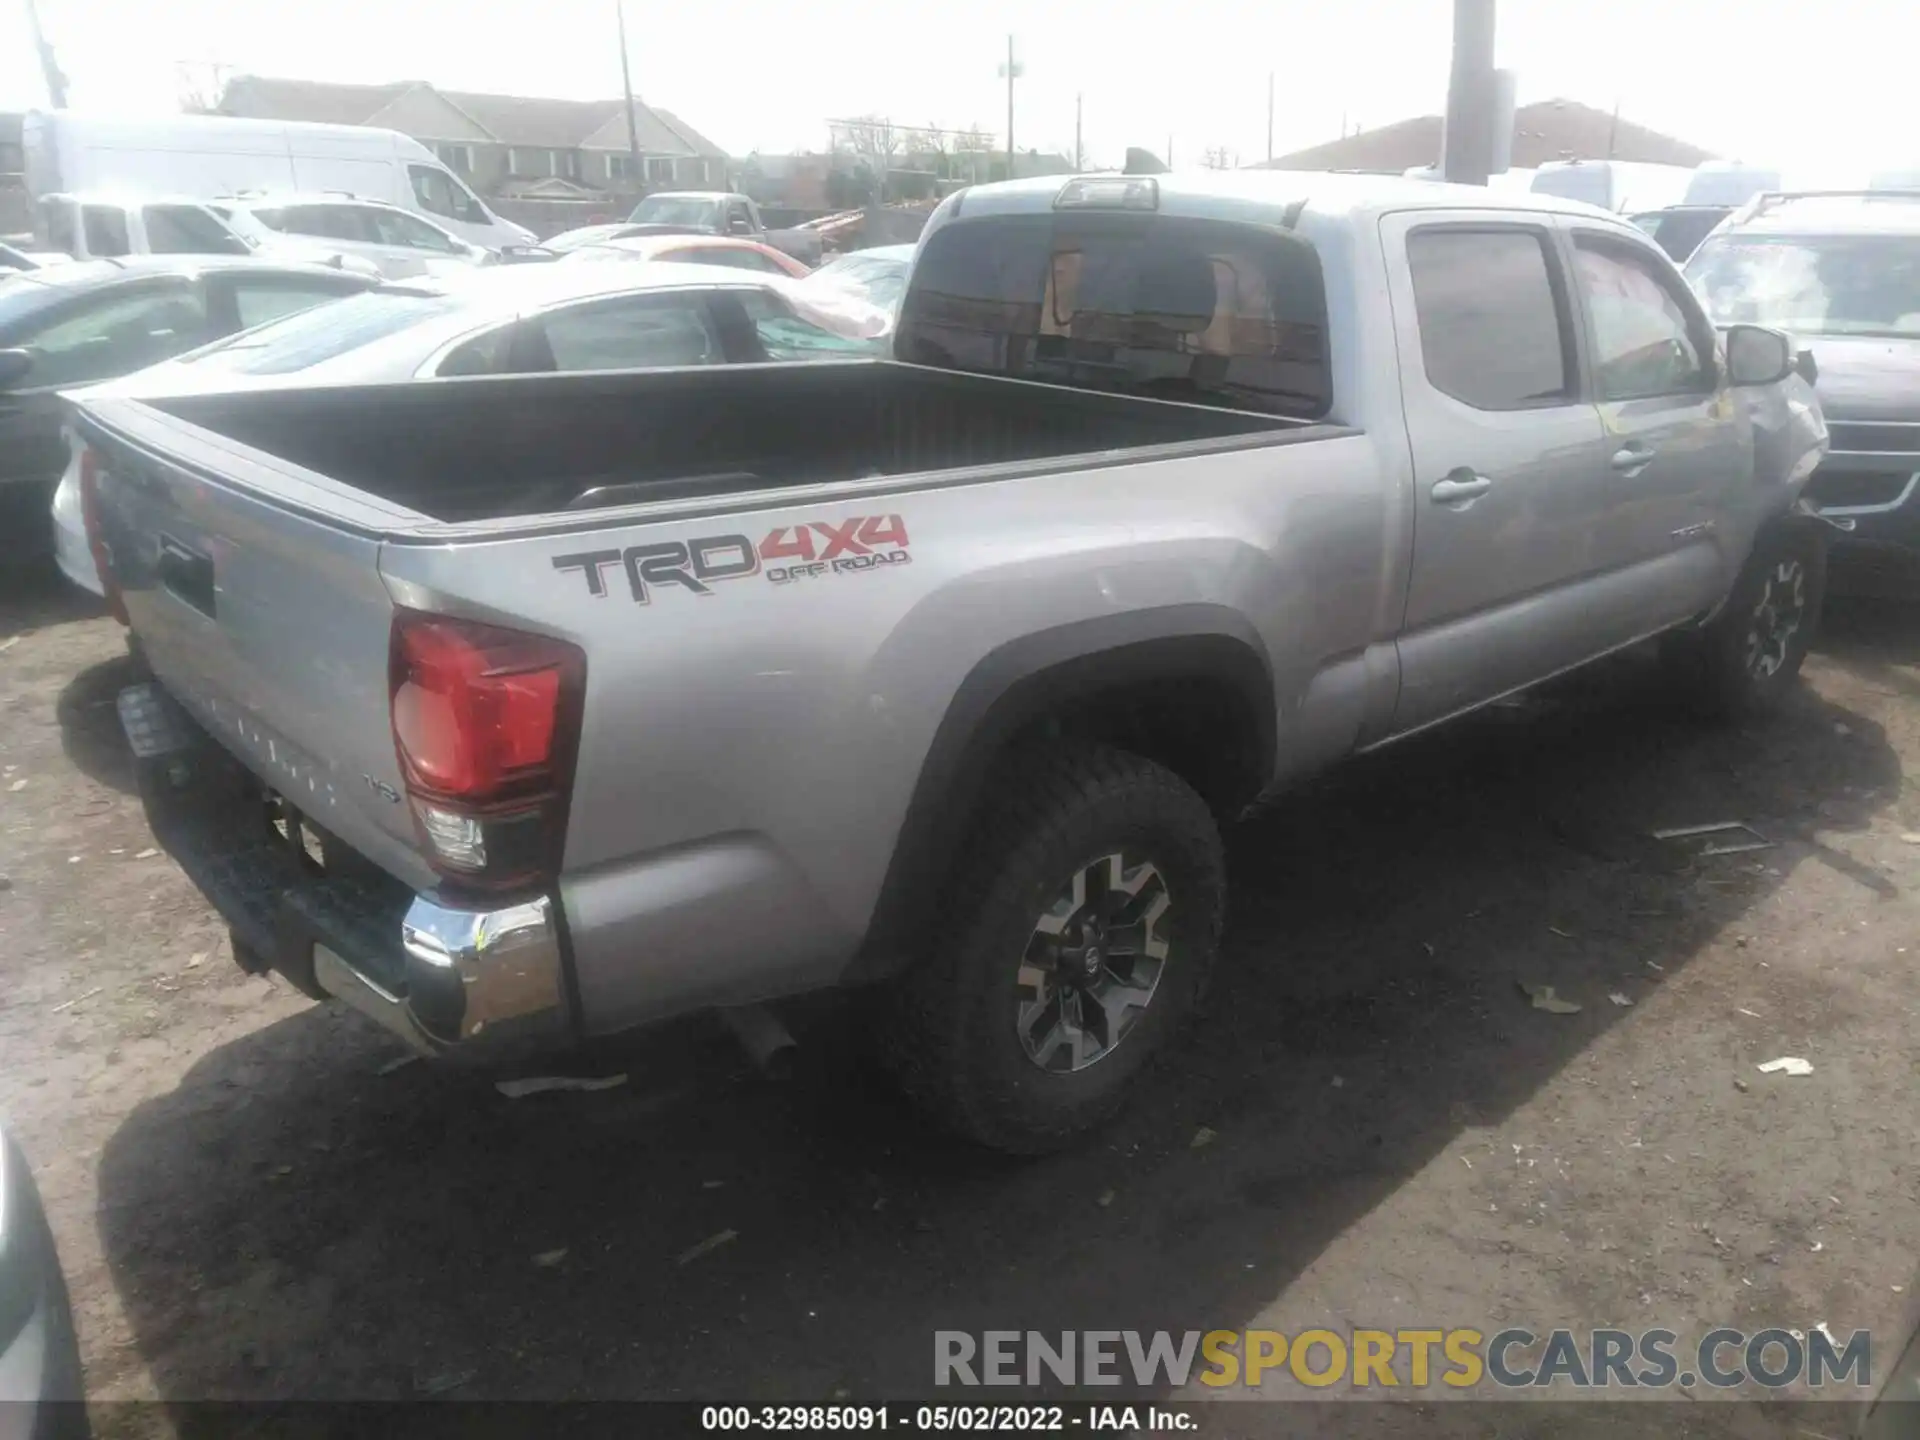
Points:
x=1373 y=1127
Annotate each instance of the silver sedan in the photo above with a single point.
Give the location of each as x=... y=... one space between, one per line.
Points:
x=507 y=320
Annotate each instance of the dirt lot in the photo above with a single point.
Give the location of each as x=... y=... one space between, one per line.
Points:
x=250 y=1204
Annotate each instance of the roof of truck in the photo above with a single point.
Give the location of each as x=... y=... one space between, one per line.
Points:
x=1318 y=192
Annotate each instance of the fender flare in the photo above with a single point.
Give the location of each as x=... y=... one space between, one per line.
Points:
x=1017 y=685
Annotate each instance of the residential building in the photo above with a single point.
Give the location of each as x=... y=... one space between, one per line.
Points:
x=1548 y=130
x=509 y=146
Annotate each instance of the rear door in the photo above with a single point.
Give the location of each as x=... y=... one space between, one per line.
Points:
x=1505 y=443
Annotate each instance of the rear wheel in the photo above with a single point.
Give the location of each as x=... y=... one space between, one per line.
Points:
x=1746 y=661
x=1075 y=939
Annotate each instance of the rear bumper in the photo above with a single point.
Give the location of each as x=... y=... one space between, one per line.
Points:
x=447 y=979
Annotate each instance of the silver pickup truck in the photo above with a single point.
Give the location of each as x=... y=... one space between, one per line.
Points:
x=526 y=710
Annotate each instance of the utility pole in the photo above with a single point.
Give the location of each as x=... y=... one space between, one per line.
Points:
x=1467 y=157
x=1077 y=160
x=1169 y=150
x=56 y=82
x=1270 y=117
x=637 y=175
x=1012 y=71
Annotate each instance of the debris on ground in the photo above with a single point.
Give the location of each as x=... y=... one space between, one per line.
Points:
x=1563 y=934
x=1619 y=998
x=1338 y=1081
x=1543 y=998
x=399 y=1062
x=547 y=1259
x=196 y=960
x=440 y=1384
x=1740 y=837
x=1106 y=1199
x=706 y=1246
x=8 y=643
x=1742 y=1086
x=69 y=1004
x=18 y=785
x=1910 y=838
x=541 y=1084
x=146 y=854
x=1202 y=1138
x=711 y=1184
x=1750 y=1014
x=1787 y=1065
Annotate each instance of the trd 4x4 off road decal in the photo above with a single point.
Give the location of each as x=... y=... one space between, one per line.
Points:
x=805 y=551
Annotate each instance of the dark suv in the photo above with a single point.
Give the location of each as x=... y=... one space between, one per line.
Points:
x=1840 y=271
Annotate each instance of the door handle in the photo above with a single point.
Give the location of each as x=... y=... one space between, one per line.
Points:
x=1468 y=487
x=1632 y=458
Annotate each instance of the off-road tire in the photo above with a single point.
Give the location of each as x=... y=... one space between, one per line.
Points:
x=1715 y=666
x=949 y=1027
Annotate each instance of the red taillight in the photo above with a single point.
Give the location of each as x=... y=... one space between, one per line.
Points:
x=484 y=723
x=96 y=539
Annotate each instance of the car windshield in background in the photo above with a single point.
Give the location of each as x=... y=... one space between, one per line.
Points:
x=323 y=333
x=21 y=296
x=1174 y=309
x=877 y=281
x=673 y=210
x=1828 y=285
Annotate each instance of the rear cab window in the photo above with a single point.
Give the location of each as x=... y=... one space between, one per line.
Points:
x=1169 y=307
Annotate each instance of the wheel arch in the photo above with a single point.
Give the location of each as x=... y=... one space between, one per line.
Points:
x=1142 y=681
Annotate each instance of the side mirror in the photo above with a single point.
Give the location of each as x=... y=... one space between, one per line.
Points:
x=15 y=365
x=1758 y=356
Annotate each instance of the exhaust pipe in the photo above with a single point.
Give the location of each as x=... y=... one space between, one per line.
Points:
x=762 y=1035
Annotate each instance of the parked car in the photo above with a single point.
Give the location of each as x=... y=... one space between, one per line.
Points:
x=209 y=155
x=113 y=227
x=598 y=704
x=41 y=1393
x=68 y=325
x=1679 y=229
x=1842 y=273
x=394 y=242
x=695 y=212
x=503 y=321
x=692 y=250
x=1620 y=185
x=878 y=275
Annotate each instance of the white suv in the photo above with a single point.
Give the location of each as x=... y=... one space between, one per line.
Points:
x=397 y=241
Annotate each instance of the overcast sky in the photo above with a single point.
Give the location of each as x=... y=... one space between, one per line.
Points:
x=1824 y=87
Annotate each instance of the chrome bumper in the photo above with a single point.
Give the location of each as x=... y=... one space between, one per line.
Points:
x=474 y=979
x=445 y=979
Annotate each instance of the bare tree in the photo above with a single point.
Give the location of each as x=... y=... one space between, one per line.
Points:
x=200 y=85
x=1218 y=158
x=973 y=151
x=873 y=140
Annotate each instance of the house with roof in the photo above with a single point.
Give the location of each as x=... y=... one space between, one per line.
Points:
x=1546 y=130
x=508 y=146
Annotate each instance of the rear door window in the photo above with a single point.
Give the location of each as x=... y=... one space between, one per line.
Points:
x=1163 y=306
x=106 y=227
x=189 y=230
x=1495 y=332
x=633 y=333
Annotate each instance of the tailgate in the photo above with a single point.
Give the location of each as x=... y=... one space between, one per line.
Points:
x=254 y=588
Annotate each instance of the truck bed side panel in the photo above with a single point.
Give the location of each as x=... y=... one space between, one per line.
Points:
x=751 y=746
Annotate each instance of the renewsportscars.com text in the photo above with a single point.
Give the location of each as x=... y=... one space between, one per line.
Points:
x=1410 y=1359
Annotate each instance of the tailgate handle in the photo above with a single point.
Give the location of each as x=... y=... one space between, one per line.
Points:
x=187 y=574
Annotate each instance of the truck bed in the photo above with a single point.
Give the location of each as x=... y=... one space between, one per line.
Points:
x=486 y=448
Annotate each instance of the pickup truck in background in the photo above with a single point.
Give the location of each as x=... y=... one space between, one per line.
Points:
x=694 y=212
x=520 y=711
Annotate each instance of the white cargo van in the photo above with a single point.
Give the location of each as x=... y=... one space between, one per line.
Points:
x=211 y=155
